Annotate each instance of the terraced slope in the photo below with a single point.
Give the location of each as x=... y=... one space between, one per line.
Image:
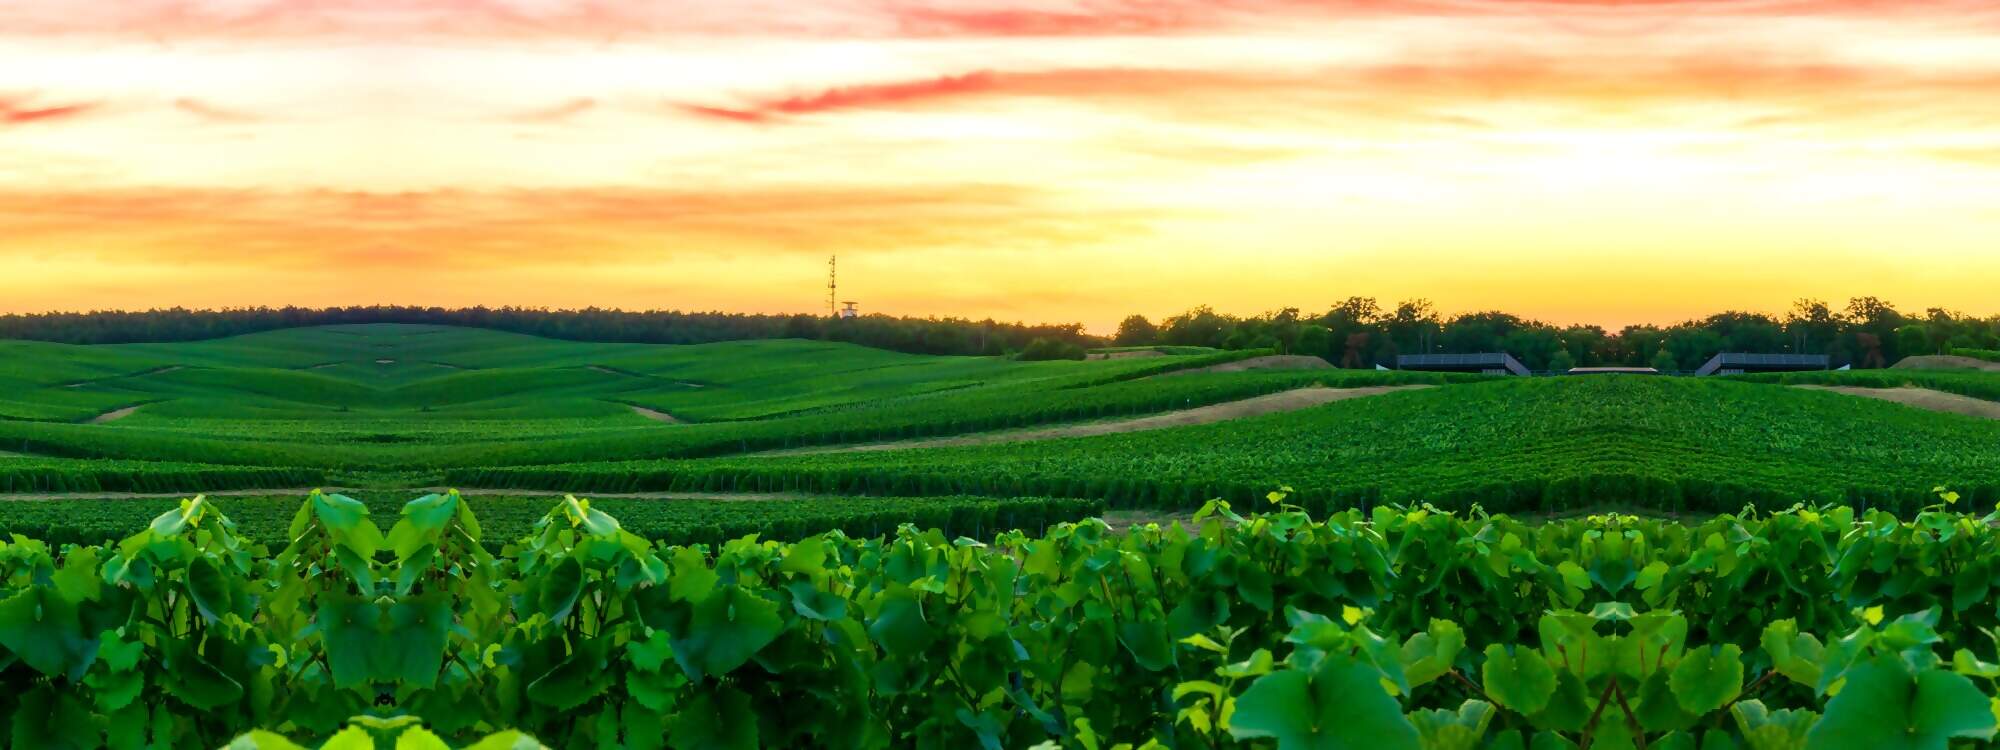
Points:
x=416 y=399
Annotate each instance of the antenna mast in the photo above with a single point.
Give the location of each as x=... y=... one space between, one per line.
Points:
x=831 y=284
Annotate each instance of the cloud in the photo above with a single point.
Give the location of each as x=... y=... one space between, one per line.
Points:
x=213 y=113
x=22 y=110
x=862 y=96
x=601 y=20
x=462 y=228
x=554 y=114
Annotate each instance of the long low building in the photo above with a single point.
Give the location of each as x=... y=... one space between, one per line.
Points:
x=1489 y=363
x=1738 y=363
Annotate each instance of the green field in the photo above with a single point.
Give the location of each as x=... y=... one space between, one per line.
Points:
x=389 y=407
x=758 y=541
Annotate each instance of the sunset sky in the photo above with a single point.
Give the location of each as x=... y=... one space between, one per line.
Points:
x=1576 y=161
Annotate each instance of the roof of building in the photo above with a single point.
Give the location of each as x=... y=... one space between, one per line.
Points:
x=1612 y=371
x=1477 y=361
x=1748 y=361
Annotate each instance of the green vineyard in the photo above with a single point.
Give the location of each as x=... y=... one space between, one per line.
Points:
x=811 y=544
x=1528 y=445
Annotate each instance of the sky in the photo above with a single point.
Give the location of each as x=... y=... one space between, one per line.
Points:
x=1603 y=161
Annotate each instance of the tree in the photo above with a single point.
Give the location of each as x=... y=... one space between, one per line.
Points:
x=1315 y=341
x=1136 y=331
x=1664 y=361
x=1913 y=339
x=1410 y=325
x=1812 y=326
x=1201 y=326
x=1561 y=362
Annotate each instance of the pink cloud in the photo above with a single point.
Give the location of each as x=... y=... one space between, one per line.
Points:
x=21 y=111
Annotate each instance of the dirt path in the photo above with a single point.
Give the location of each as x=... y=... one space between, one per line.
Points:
x=141 y=373
x=114 y=415
x=413 y=492
x=657 y=416
x=1283 y=401
x=1141 y=354
x=1946 y=362
x=1273 y=362
x=1922 y=398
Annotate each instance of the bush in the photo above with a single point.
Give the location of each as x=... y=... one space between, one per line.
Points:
x=1047 y=349
x=1989 y=355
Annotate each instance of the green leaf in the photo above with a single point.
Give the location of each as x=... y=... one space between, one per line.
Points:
x=1521 y=681
x=1429 y=655
x=1882 y=707
x=348 y=628
x=899 y=628
x=562 y=585
x=1341 y=705
x=209 y=587
x=692 y=579
x=1794 y=655
x=41 y=627
x=412 y=642
x=1444 y=729
x=49 y=719
x=346 y=519
x=814 y=604
x=1764 y=729
x=1147 y=642
x=575 y=680
x=807 y=557
x=1708 y=678
x=722 y=720
x=195 y=681
x=725 y=630
x=78 y=579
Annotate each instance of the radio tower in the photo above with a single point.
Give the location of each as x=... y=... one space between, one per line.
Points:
x=831 y=284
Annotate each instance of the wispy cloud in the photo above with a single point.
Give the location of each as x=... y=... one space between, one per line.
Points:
x=554 y=113
x=328 y=228
x=24 y=110
x=213 y=113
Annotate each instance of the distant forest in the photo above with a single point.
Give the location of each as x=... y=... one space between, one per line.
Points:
x=1359 y=332
x=914 y=335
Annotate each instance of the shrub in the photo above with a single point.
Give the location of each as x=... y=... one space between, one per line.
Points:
x=1047 y=349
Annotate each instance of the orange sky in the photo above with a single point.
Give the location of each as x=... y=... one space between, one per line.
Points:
x=1575 y=160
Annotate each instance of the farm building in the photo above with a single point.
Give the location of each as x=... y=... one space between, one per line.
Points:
x=1612 y=371
x=1490 y=363
x=1737 y=363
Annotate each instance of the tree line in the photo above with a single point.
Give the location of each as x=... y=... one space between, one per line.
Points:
x=913 y=335
x=1360 y=332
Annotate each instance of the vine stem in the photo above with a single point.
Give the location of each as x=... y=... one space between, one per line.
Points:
x=1590 y=727
x=1470 y=685
x=1631 y=719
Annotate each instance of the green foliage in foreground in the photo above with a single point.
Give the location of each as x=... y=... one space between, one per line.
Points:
x=1398 y=629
